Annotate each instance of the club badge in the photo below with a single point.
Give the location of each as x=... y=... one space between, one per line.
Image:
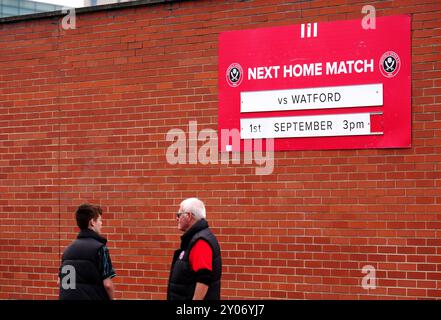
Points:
x=234 y=75
x=390 y=64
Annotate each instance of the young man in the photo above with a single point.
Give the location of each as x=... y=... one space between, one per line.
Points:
x=197 y=266
x=86 y=270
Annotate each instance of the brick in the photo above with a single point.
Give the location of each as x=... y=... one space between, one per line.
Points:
x=87 y=121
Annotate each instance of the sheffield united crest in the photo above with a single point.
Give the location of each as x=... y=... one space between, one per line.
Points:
x=234 y=75
x=390 y=64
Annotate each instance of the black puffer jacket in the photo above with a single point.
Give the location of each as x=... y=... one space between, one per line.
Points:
x=182 y=281
x=82 y=255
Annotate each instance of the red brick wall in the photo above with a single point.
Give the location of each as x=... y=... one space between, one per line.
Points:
x=84 y=115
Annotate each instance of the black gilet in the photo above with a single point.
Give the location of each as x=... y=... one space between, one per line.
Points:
x=82 y=255
x=182 y=281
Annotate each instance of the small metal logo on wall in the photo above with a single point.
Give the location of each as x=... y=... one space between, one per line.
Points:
x=311 y=30
x=390 y=64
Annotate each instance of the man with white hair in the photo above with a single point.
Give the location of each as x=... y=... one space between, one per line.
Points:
x=197 y=265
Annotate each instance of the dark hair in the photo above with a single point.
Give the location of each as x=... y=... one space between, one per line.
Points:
x=87 y=212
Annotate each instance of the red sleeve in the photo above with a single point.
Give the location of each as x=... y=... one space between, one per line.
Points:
x=201 y=256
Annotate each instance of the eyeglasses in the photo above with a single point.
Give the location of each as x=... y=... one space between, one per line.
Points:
x=179 y=214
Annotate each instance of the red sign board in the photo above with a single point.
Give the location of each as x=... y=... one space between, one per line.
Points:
x=313 y=86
